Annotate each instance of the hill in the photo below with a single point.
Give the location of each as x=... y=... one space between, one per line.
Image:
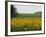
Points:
x=36 y=14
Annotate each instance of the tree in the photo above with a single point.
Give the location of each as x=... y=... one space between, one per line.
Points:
x=13 y=12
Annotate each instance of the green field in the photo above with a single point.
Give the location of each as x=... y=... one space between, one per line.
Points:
x=26 y=24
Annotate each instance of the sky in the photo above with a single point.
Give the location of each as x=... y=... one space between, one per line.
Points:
x=29 y=9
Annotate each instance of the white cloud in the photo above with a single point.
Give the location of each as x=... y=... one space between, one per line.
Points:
x=23 y=9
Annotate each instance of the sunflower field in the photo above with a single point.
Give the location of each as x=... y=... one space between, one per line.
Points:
x=26 y=24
